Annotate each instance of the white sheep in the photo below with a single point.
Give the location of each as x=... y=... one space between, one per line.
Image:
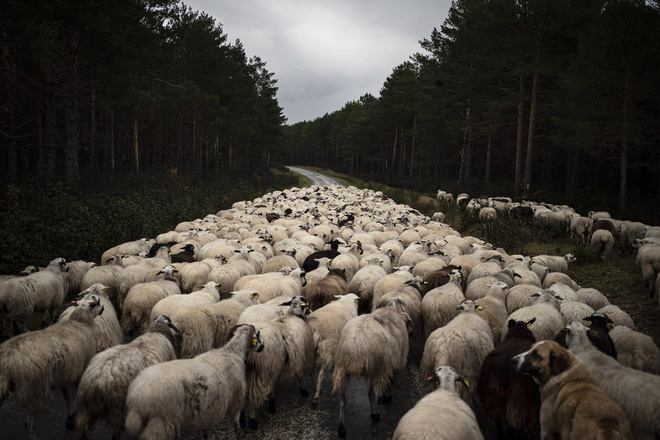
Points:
x=440 y=414
x=555 y=263
x=104 y=384
x=415 y=253
x=521 y=296
x=618 y=316
x=580 y=228
x=41 y=291
x=487 y=213
x=648 y=260
x=602 y=242
x=194 y=275
x=326 y=324
x=559 y=277
x=484 y=269
x=429 y=265
x=545 y=309
x=390 y=282
x=33 y=363
x=575 y=311
x=206 y=326
x=107 y=330
x=289 y=354
x=284 y=259
x=637 y=392
x=208 y=294
x=373 y=346
x=128 y=248
x=74 y=275
x=169 y=397
x=107 y=275
x=274 y=284
x=349 y=261
x=462 y=344
x=493 y=308
x=439 y=304
x=593 y=297
x=478 y=288
x=635 y=350
x=142 y=297
x=141 y=273
x=364 y=281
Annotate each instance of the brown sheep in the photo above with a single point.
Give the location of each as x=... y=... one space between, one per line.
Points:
x=323 y=291
x=437 y=278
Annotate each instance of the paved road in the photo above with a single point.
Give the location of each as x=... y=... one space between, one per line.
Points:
x=316 y=178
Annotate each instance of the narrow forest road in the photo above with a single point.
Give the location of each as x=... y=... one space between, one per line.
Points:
x=316 y=178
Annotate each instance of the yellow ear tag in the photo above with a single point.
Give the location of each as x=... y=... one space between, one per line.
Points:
x=254 y=342
x=466 y=383
x=528 y=324
x=595 y=332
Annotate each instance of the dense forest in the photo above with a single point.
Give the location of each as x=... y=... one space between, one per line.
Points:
x=109 y=87
x=528 y=98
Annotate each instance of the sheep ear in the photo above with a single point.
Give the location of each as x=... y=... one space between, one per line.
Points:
x=432 y=379
x=535 y=295
x=464 y=381
x=286 y=304
x=458 y=308
x=530 y=322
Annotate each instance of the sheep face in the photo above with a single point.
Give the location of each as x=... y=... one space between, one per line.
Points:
x=446 y=377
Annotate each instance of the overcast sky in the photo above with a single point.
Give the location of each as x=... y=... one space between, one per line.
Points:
x=326 y=53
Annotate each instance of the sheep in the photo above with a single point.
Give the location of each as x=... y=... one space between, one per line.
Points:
x=107 y=330
x=440 y=414
x=520 y=296
x=463 y=344
x=285 y=259
x=192 y=393
x=128 y=248
x=326 y=324
x=311 y=262
x=391 y=282
x=596 y=215
x=167 y=306
x=438 y=217
x=41 y=291
x=349 y=260
x=618 y=316
x=74 y=275
x=439 y=305
x=373 y=346
x=580 y=228
x=33 y=363
x=487 y=213
x=575 y=311
x=545 y=309
x=323 y=291
x=637 y=392
x=482 y=270
x=406 y=298
x=602 y=242
x=592 y=297
x=272 y=285
x=108 y=275
x=415 y=253
x=493 y=308
x=365 y=280
x=599 y=336
x=321 y=271
x=439 y=278
x=226 y=277
x=505 y=395
x=429 y=265
x=526 y=275
x=194 y=275
x=104 y=384
x=478 y=288
x=648 y=260
x=142 y=297
x=207 y=326
x=635 y=350
x=141 y=273
x=555 y=263
x=289 y=354
x=559 y=277
x=628 y=233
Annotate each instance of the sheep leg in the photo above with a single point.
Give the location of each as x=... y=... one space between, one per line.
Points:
x=342 y=401
x=30 y=426
x=271 y=403
x=252 y=421
x=235 y=422
x=317 y=391
x=372 y=401
x=70 y=425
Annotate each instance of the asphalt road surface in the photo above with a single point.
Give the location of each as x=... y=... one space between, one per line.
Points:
x=316 y=178
x=294 y=419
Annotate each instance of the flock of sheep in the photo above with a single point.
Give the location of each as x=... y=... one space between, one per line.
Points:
x=201 y=324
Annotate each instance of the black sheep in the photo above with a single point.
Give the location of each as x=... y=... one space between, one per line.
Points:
x=310 y=262
x=510 y=399
x=187 y=255
x=598 y=335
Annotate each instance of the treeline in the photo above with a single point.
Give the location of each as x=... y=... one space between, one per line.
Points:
x=91 y=89
x=525 y=97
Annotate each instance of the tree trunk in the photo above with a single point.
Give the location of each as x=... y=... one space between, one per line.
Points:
x=412 y=148
x=136 y=148
x=72 y=176
x=463 y=169
x=530 y=136
x=91 y=165
x=489 y=146
x=519 y=140
x=111 y=142
x=390 y=173
x=11 y=171
x=623 y=192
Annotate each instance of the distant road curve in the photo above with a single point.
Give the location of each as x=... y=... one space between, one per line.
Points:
x=316 y=178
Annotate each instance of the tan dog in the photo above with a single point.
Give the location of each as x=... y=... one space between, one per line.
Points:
x=573 y=407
